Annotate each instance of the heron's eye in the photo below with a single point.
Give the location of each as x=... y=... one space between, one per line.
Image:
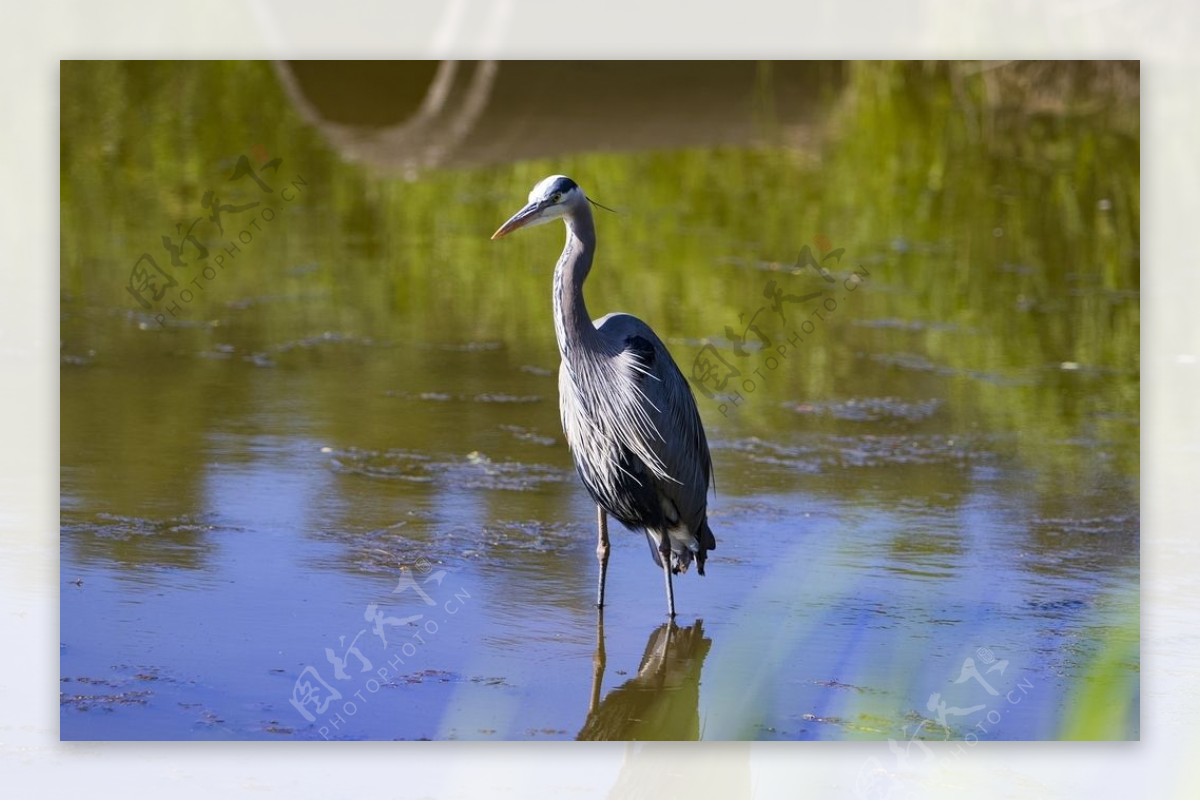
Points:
x=557 y=196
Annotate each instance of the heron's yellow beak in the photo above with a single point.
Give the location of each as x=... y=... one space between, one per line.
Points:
x=522 y=218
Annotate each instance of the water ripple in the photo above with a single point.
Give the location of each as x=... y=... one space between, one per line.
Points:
x=472 y=471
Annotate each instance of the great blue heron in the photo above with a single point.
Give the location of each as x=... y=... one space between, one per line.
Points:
x=627 y=411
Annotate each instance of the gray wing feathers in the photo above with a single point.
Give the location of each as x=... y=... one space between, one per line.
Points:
x=663 y=426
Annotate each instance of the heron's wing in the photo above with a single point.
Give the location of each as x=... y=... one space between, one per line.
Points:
x=662 y=426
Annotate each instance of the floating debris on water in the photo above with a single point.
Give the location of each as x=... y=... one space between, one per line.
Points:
x=260 y=360
x=468 y=347
x=484 y=397
x=528 y=435
x=818 y=453
x=897 y=324
x=1090 y=526
x=86 y=703
x=322 y=339
x=77 y=360
x=489 y=397
x=476 y=471
x=870 y=409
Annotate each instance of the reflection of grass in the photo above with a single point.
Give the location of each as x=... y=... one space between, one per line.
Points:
x=1105 y=703
x=1012 y=224
x=864 y=684
x=1035 y=211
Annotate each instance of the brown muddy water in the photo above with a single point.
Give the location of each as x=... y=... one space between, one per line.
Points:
x=316 y=487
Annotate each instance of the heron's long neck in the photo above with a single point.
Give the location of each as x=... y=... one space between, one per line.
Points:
x=572 y=324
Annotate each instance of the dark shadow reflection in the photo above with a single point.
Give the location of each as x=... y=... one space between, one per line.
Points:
x=411 y=116
x=662 y=701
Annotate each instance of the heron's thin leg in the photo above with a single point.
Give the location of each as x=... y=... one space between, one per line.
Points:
x=598 y=662
x=601 y=553
x=665 y=551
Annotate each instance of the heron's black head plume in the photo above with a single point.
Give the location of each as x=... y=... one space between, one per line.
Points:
x=601 y=205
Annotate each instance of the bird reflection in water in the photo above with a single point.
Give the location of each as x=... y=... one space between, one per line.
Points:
x=662 y=701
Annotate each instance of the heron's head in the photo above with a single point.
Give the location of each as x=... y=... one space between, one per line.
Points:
x=549 y=200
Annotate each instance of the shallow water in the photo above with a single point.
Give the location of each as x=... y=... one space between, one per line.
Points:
x=328 y=497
